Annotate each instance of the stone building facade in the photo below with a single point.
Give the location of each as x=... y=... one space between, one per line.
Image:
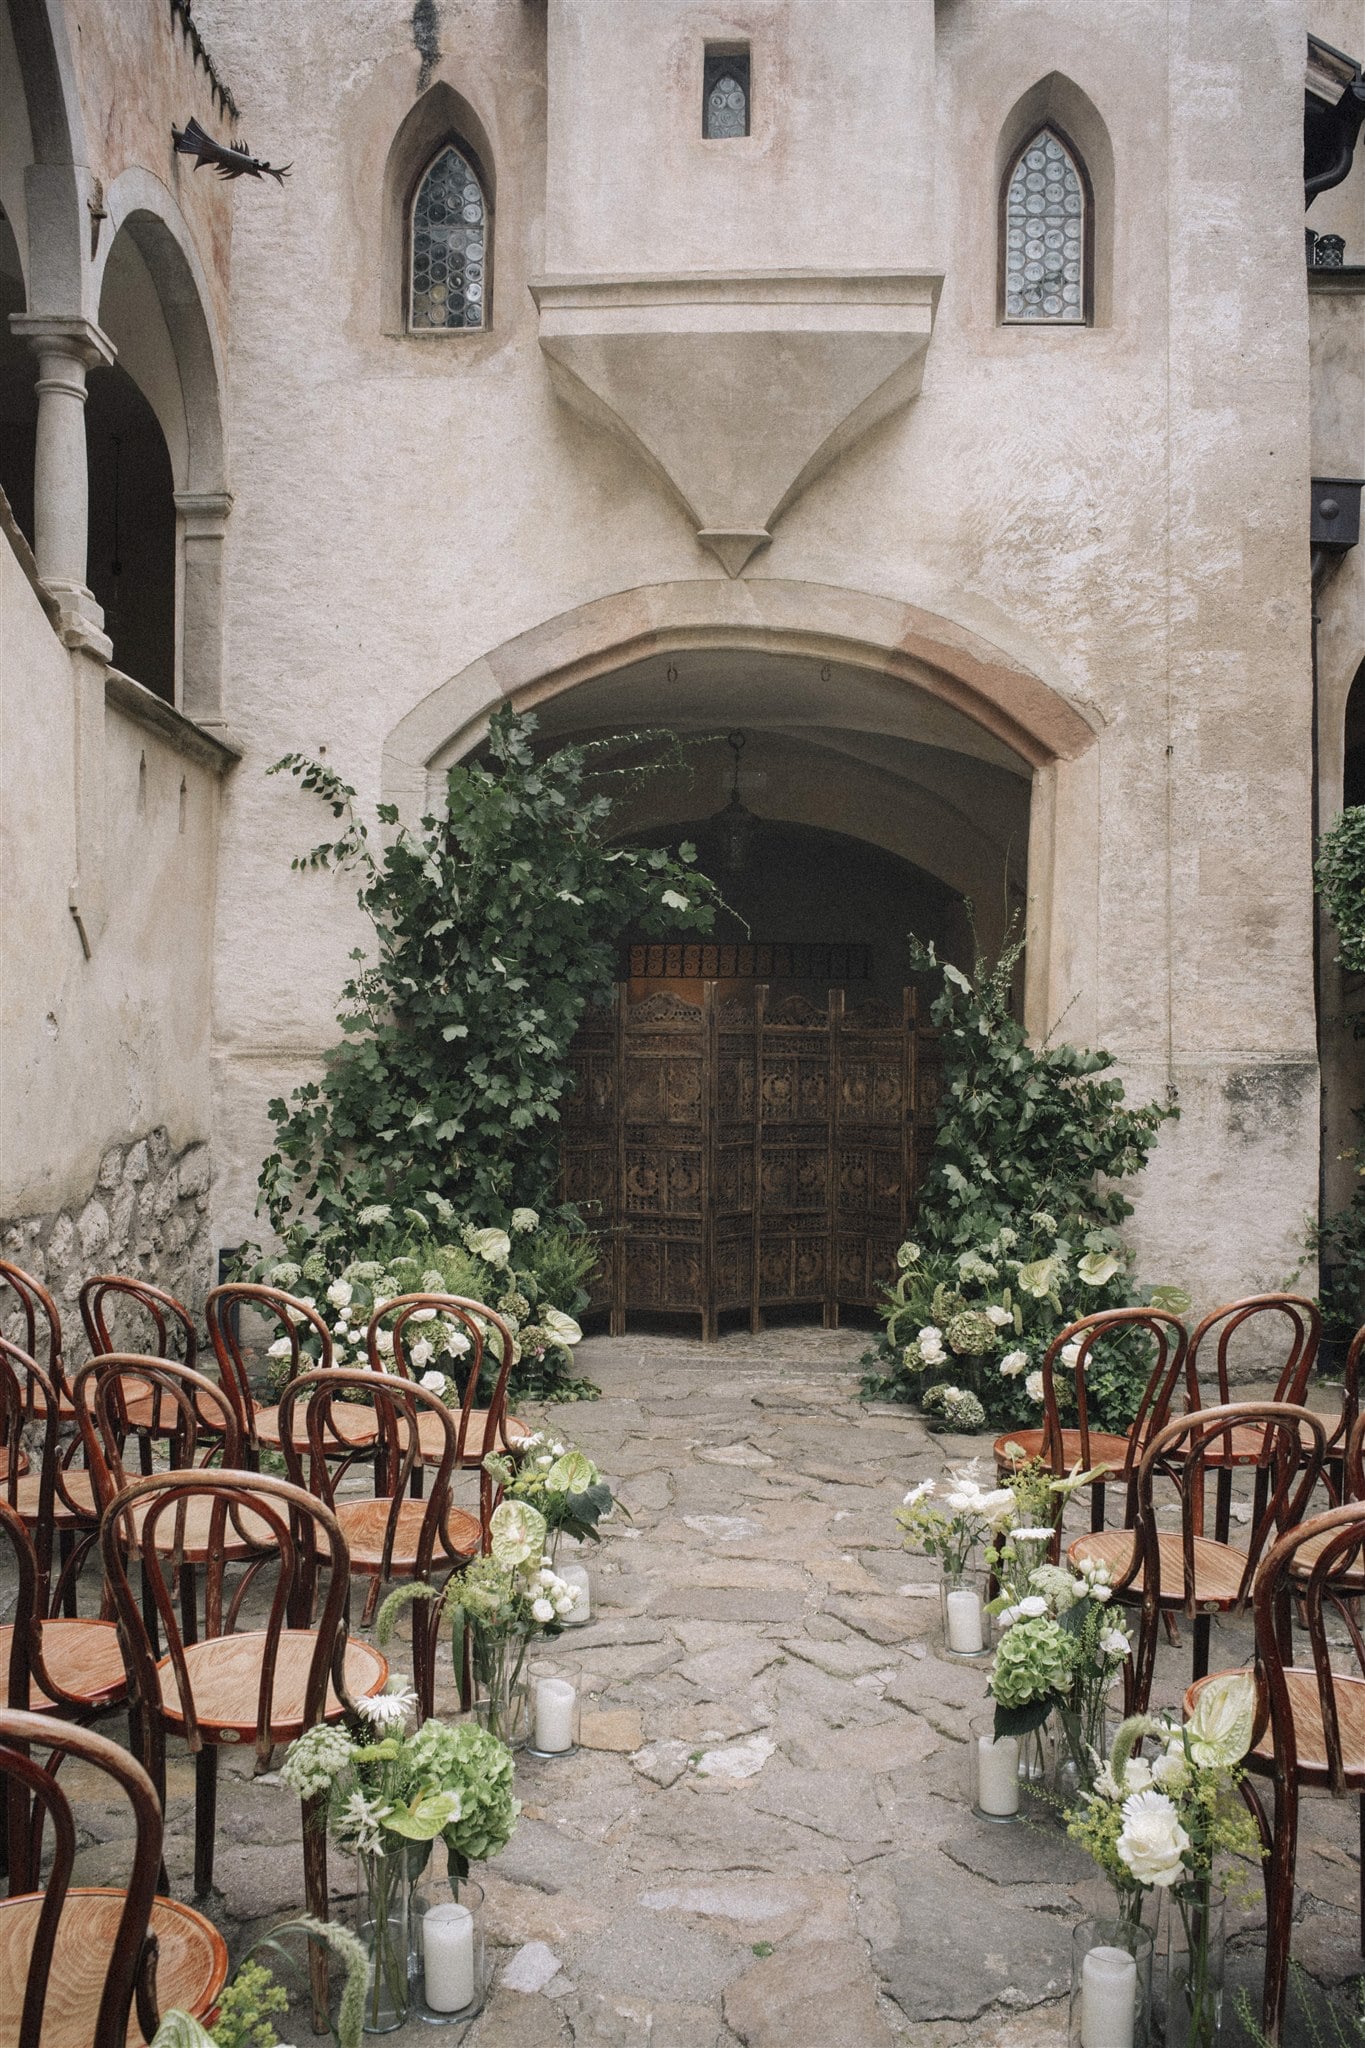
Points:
x=774 y=402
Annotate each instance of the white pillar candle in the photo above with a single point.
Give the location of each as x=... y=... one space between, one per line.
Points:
x=997 y=1774
x=448 y=1957
x=554 y=1715
x=964 y=1621
x=576 y=1575
x=1108 y=1998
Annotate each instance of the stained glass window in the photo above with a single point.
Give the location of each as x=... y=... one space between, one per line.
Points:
x=725 y=106
x=1045 y=234
x=449 y=246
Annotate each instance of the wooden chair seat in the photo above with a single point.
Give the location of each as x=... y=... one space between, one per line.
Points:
x=256 y=1535
x=1104 y=1448
x=352 y=1421
x=66 y=1407
x=1310 y=1741
x=432 y=1436
x=4 y=1463
x=1352 y=1580
x=364 y=1523
x=78 y=1484
x=191 y=1966
x=84 y=1662
x=140 y=1407
x=225 y=1679
x=1217 y=1568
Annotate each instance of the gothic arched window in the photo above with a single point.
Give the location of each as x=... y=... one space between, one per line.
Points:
x=449 y=250
x=1045 y=229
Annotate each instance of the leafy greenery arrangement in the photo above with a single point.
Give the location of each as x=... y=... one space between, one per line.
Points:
x=253 y=1999
x=1019 y=1215
x=559 y=1481
x=1340 y=874
x=496 y=924
x=532 y=1273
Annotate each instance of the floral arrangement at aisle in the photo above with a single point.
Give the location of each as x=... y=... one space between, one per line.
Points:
x=532 y=1273
x=253 y=1999
x=951 y=1525
x=1018 y=1218
x=1165 y=1826
x=559 y=1481
x=1060 y=1651
x=389 y=1794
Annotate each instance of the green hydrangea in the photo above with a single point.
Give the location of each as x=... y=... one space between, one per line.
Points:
x=971 y=1334
x=1033 y=1660
x=469 y=1760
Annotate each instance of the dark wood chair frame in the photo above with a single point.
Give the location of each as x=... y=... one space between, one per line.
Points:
x=310 y=1553
x=294 y=1319
x=27 y=1662
x=25 y=1417
x=40 y=1316
x=1220 y=1327
x=402 y=1313
x=34 y=1796
x=170 y=1323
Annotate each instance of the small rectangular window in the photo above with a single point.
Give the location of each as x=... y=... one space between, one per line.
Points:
x=725 y=91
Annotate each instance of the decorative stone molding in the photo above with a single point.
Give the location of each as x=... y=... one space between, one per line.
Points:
x=146 y=1215
x=738 y=389
x=137 y=702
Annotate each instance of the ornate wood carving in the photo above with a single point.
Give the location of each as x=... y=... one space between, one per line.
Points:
x=737 y=1158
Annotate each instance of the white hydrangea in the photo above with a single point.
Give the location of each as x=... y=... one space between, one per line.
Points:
x=318 y=1757
x=525 y=1219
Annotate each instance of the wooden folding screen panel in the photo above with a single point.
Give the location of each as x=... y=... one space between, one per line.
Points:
x=737 y=1156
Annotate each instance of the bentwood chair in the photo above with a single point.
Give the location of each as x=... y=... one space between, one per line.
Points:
x=74 y=1958
x=392 y=1536
x=69 y=1668
x=1289 y=1323
x=1310 y=1724
x=1164 y=1571
x=58 y=1499
x=1350 y=1408
x=263 y=1684
x=198 y=1423
x=287 y=1320
x=39 y=1330
x=150 y=1324
x=1064 y=1447
x=419 y=1333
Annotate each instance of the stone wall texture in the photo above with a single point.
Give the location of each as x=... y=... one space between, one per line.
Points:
x=146 y=1215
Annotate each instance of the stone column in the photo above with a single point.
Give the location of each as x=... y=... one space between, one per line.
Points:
x=203 y=525
x=66 y=349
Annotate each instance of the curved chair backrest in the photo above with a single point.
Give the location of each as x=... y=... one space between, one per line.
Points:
x=25 y=1648
x=1291 y=1321
x=450 y=1334
x=398 y=1404
x=21 y=1380
x=41 y=1324
x=123 y=1959
x=1339 y=1538
x=140 y=1310
x=196 y=1415
x=307 y=1550
x=1127 y=1325
x=295 y=1321
x=1350 y=1409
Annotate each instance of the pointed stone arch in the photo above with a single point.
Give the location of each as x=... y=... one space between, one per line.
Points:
x=1057 y=102
x=441 y=115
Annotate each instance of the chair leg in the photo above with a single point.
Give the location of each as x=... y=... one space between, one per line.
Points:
x=1202 y=1626
x=1279 y=1907
x=315 y=1899
x=1362 y=1873
x=205 y=1817
x=371 y=1601
x=66 y=1545
x=1222 y=1516
x=150 y=1618
x=1097 y=1508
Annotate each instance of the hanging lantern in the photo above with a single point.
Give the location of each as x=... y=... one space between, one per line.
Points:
x=733 y=829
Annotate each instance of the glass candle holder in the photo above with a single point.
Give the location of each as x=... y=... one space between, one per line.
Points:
x=1194 y=1938
x=576 y=1575
x=993 y=1771
x=554 y=1718
x=449 y=1956
x=1111 y=1985
x=966 y=1624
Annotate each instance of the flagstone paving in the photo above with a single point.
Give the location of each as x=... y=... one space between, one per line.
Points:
x=765 y=1839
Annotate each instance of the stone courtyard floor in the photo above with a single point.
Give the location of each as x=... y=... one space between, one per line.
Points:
x=765 y=1839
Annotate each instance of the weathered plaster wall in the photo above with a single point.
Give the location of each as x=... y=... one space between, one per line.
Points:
x=1119 y=510
x=104 y=1061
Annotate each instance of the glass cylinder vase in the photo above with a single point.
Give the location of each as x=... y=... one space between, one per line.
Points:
x=554 y=1717
x=1111 y=1985
x=502 y=1691
x=449 y=1971
x=382 y=1895
x=1193 y=1935
x=966 y=1624
x=992 y=1771
x=1082 y=1738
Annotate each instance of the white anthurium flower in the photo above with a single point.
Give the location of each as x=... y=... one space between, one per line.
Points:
x=908 y=1255
x=1013 y=1363
x=561 y=1327
x=281 y=1348
x=1001 y=1317
x=1033 y=1386
x=339 y=1293
x=494 y=1247
x=1152 y=1843
x=1219 y=1729
x=673 y=900
x=420 y=1354
x=517 y=1532
x=1097 y=1267
x=1041 y=1276
x=434 y=1382
x=525 y=1219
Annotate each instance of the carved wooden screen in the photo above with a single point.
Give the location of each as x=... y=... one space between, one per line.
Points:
x=740 y=1156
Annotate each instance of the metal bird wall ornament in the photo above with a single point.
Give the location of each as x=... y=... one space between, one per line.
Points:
x=229 y=162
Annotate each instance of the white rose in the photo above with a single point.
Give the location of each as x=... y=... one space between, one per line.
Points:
x=1071 y=1356
x=456 y=1343
x=339 y=1294
x=1153 y=1843
x=422 y=1315
x=1171 y=1771
x=383 y=1342
x=340 y=1330
x=281 y=1348
x=420 y=1354
x=999 y=1316
x=1114 y=1643
x=1100 y=1592
x=543 y=1610
x=434 y=1382
x=1033 y=1606
x=1013 y=1363
x=1033 y=1386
